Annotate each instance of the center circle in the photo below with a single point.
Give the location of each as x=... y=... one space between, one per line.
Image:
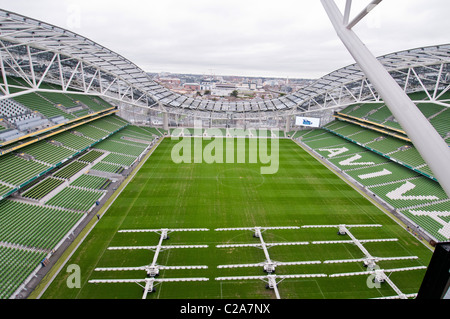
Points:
x=240 y=178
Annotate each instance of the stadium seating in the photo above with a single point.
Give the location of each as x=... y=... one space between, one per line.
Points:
x=47 y=152
x=107 y=167
x=37 y=103
x=94 y=104
x=5 y=189
x=90 y=156
x=381 y=174
x=91 y=182
x=391 y=147
x=17 y=265
x=442 y=122
x=407 y=190
x=75 y=199
x=35 y=226
x=72 y=141
x=47 y=207
x=90 y=132
x=119 y=159
x=70 y=170
x=52 y=104
x=151 y=130
x=438 y=115
x=16 y=170
x=10 y=109
x=124 y=148
x=42 y=189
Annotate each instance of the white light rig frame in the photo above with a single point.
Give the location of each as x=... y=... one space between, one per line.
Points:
x=153 y=269
x=271 y=279
x=380 y=277
x=268 y=265
x=368 y=261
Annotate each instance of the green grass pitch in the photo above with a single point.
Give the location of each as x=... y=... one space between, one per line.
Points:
x=164 y=194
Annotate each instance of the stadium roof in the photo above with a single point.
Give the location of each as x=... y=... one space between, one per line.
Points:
x=38 y=51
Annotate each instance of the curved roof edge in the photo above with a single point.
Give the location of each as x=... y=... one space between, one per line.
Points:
x=123 y=75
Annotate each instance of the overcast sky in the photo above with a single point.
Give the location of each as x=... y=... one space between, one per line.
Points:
x=283 y=38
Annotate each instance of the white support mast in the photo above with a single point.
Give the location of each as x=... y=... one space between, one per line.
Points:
x=269 y=266
x=423 y=135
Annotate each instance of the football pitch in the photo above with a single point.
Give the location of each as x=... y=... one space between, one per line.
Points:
x=168 y=195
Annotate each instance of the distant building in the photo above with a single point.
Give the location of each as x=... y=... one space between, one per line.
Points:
x=192 y=86
x=208 y=85
x=170 y=82
x=223 y=89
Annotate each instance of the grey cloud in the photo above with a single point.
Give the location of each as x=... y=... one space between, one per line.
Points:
x=287 y=38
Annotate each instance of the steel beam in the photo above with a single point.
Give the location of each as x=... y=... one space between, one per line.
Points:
x=423 y=135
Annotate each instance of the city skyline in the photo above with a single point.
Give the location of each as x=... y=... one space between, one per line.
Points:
x=217 y=87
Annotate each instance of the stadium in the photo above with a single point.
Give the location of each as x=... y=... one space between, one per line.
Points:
x=330 y=192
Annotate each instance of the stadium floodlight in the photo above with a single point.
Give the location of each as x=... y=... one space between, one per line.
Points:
x=317 y=242
x=132 y=247
x=342 y=225
x=242 y=278
x=183 y=246
x=294 y=263
x=402 y=296
x=237 y=245
x=274 y=264
x=271 y=279
x=294 y=243
x=258 y=227
x=270 y=276
x=241 y=265
x=405 y=269
x=369 y=262
x=183 y=267
x=120 y=268
x=162 y=229
x=375 y=259
x=377 y=240
x=155 y=247
x=164 y=232
x=299 y=243
x=150 y=283
x=147 y=268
